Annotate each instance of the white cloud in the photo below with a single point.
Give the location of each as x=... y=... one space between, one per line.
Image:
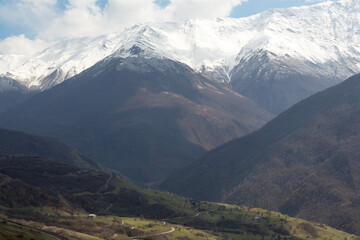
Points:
x=185 y=9
x=20 y=45
x=27 y=13
x=85 y=18
x=124 y=13
x=82 y=18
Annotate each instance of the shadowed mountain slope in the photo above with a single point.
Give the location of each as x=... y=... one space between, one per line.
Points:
x=142 y=116
x=12 y=93
x=276 y=83
x=305 y=162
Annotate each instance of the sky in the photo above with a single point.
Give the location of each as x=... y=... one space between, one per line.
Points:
x=27 y=26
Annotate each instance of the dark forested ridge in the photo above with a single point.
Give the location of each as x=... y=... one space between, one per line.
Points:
x=24 y=144
x=305 y=162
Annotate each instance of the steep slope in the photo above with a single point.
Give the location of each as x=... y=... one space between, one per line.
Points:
x=24 y=144
x=144 y=117
x=305 y=162
x=277 y=82
x=276 y=58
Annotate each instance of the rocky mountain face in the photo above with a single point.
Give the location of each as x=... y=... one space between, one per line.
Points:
x=304 y=163
x=276 y=58
x=143 y=117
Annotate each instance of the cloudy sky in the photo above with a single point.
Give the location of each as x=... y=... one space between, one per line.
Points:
x=27 y=26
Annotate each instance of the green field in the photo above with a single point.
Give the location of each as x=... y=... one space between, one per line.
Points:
x=215 y=221
x=12 y=231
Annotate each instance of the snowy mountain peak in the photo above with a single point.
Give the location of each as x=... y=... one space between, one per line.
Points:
x=320 y=34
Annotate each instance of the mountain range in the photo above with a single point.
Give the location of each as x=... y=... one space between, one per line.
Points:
x=275 y=58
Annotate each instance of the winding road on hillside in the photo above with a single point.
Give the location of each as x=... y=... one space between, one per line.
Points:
x=154 y=235
x=104 y=187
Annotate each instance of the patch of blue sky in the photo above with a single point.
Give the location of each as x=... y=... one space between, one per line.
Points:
x=101 y=3
x=162 y=3
x=252 y=7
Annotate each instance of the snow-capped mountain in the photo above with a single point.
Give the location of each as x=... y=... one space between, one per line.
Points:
x=321 y=41
x=62 y=61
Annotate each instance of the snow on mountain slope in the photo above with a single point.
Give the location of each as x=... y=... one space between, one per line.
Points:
x=62 y=61
x=318 y=35
x=11 y=61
